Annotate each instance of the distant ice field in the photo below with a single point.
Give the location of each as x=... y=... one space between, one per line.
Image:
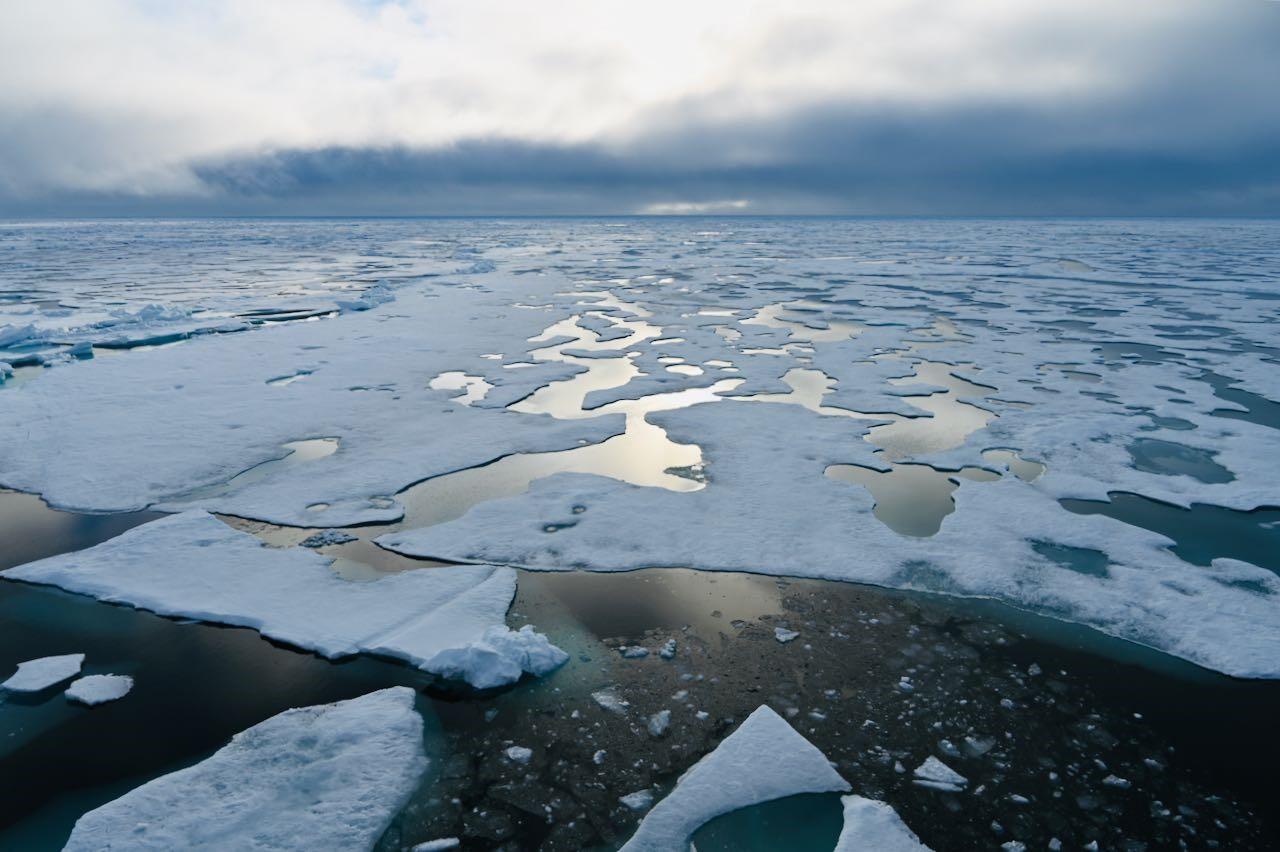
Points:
x=1080 y=418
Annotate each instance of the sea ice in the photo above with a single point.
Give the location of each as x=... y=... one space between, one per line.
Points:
x=937 y=775
x=99 y=689
x=35 y=675
x=731 y=777
x=873 y=826
x=329 y=777
x=448 y=621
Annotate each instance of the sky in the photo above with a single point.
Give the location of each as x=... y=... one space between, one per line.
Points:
x=480 y=107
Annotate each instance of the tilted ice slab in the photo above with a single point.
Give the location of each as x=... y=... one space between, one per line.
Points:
x=763 y=760
x=130 y=431
x=769 y=509
x=448 y=621
x=35 y=675
x=329 y=777
x=872 y=826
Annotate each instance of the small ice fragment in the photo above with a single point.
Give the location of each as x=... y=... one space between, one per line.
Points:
x=438 y=845
x=1014 y=846
x=610 y=700
x=948 y=748
x=635 y=652
x=1033 y=670
x=1006 y=703
x=640 y=800
x=1117 y=782
x=659 y=722
x=1055 y=845
x=519 y=754
x=598 y=757
x=1019 y=800
x=784 y=635
x=935 y=774
x=668 y=651
x=99 y=689
x=42 y=673
x=906 y=685
x=325 y=538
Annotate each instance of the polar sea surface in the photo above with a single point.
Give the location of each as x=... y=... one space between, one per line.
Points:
x=1057 y=439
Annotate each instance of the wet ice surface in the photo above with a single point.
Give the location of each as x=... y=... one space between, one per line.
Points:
x=938 y=406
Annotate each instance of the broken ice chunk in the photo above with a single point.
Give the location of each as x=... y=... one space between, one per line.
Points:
x=668 y=651
x=35 y=675
x=99 y=689
x=634 y=652
x=325 y=538
x=659 y=722
x=730 y=778
x=438 y=845
x=610 y=700
x=326 y=777
x=640 y=800
x=872 y=825
x=519 y=754
x=784 y=635
x=936 y=775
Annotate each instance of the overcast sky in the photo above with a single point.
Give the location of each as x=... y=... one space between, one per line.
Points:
x=222 y=107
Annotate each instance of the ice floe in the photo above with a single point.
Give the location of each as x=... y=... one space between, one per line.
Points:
x=448 y=621
x=40 y=674
x=764 y=759
x=872 y=826
x=787 y=518
x=99 y=689
x=326 y=777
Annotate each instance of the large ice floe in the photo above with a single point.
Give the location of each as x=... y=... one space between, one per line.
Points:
x=329 y=777
x=771 y=397
x=39 y=675
x=764 y=759
x=448 y=621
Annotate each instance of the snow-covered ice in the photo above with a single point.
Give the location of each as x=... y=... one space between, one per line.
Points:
x=36 y=675
x=99 y=689
x=329 y=777
x=764 y=759
x=449 y=621
x=873 y=826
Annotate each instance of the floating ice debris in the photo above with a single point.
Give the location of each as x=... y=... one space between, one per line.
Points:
x=872 y=826
x=610 y=700
x=730 y=778
x=936 y=775
x=668 y=651
x=634 y=652
x=378 y=294
x=639 y=801
x=1117 y=782
x=784 y=635
x=438 y=845
x=1013 y=846
x=99 y=689
x=326 y=777
x=598 y=757
x=325 y=538
x=659 y=722
x=519 y=754
x=35 y=675
x=448 y=621
x=500 y=656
